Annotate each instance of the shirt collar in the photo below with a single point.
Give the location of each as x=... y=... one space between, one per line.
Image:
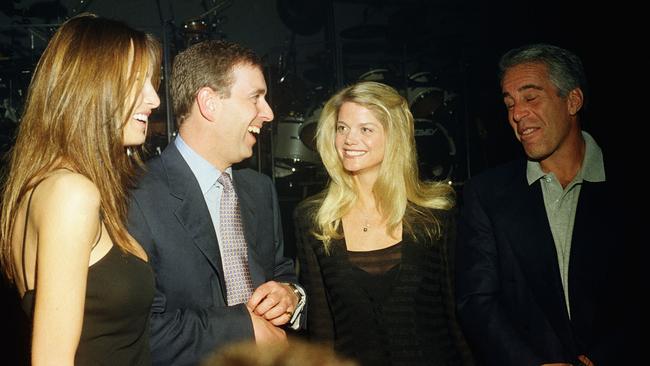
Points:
x=593 y=166
x=206 y=174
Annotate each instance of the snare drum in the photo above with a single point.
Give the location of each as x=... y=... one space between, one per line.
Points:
x=288 y=143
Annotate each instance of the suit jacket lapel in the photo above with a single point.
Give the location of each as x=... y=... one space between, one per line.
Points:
x=596 y=251
x=192 y=211
x=247 y=204
x=535 y=251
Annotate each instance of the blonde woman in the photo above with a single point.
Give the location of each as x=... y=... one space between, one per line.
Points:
x=83 y=279
x=373 y=246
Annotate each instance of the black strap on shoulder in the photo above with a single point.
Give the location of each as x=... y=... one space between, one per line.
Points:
x=100 y=235
x=29 y=203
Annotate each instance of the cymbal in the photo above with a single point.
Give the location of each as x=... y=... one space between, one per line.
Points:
x=195 y=26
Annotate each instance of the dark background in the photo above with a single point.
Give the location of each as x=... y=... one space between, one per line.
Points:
x=441 y=54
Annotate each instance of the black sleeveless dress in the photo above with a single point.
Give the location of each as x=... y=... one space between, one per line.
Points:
x=115 y=329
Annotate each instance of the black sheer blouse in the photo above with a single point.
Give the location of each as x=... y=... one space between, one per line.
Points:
x=392 y=306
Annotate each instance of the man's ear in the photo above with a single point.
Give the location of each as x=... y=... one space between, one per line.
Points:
x=575 y=99
x=207 y=100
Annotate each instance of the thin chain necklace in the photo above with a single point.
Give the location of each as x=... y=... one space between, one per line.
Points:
x=366 y=226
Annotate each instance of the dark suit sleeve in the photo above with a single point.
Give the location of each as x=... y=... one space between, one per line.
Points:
x=320 y=325
x=448 y=243
x=484 y=321
x=183 y=336
x=284 y=270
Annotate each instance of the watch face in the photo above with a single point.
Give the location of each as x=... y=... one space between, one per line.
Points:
x=295 y=291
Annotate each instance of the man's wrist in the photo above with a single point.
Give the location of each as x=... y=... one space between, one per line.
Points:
x=300 y=305
x=296 y=291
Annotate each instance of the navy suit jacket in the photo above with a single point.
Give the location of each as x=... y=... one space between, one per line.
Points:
x=168 y=216
x=510 y=298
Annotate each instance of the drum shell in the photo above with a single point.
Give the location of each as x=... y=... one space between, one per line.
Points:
x=379 y=75
x=288 y=144
x=436 y=150
x=423 y=96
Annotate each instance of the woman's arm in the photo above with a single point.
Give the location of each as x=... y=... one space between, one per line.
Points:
x=65 y=214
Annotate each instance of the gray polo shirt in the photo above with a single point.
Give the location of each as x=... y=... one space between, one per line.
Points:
x=561 y=202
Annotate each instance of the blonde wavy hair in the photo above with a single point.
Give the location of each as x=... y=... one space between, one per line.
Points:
x=400 y=195
x=82 y=94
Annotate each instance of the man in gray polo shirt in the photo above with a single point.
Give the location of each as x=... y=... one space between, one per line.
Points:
x=539 y=257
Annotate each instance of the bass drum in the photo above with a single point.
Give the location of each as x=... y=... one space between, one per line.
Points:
x=289 y=145
x=424 y=97
x=436 y=150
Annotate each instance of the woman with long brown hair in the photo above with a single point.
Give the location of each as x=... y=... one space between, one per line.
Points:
x=81 y=276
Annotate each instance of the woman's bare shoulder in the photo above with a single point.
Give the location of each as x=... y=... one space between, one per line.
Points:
x=64 y=190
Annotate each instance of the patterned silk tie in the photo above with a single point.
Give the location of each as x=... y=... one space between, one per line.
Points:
x=239 y=285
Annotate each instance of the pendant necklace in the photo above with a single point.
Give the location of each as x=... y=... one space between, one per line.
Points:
x=363 y=211
x=366 y=226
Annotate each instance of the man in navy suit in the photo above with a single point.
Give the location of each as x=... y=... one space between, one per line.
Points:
x=539 y=256
x=218 y=91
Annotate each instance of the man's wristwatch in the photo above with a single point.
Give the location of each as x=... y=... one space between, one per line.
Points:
x=295 y=291
x=300 y=305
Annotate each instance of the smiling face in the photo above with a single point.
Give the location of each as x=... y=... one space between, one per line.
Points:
x=360 y=139
x=135 y=129
x=241 y=115
x=540 y=118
